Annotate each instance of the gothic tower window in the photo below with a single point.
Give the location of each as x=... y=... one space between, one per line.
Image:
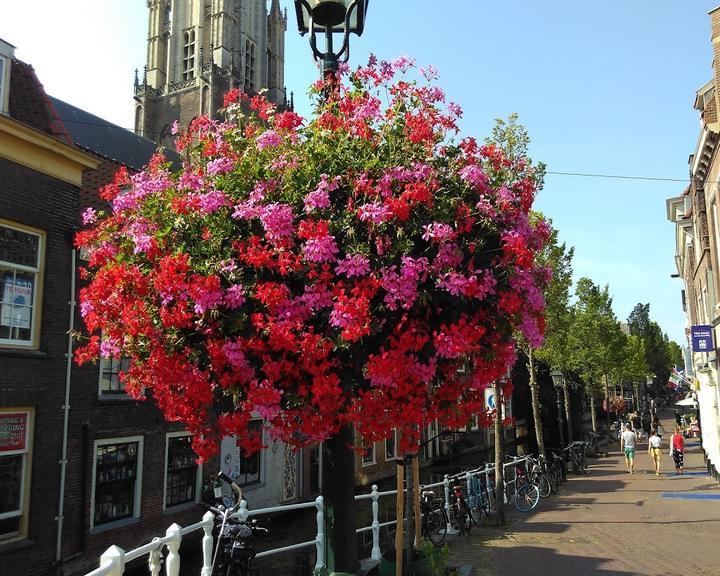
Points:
x=205 y=100
x=188 y=54
x=249 y=66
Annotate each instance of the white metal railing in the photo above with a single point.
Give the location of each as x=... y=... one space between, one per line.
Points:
x=114 y=559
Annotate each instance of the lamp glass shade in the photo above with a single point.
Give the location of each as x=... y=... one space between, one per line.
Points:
x=557 y=378
x=331 y=13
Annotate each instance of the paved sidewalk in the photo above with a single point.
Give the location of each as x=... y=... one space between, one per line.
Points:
x=609 y=523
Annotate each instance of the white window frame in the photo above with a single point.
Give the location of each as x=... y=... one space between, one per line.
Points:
x=138 y=481
x=188 y=60
x=107 y=365
x=231 y=458
x=198 y=473
x=26 y=452
x=395 y=444
x=37 y=271
x=4 y=74
x=370 y=452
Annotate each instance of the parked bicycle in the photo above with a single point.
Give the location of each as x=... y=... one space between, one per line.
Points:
x=544 y=481
x=576 y=457
x=234 y=552
x=480 y=499
x=527 y=494
x=434 y=519
x=460 y=507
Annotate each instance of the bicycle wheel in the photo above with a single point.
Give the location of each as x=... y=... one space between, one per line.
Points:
x=436 y=527
x=544 y=485
x=475 y=510
x=461 y=519
x=527 y=497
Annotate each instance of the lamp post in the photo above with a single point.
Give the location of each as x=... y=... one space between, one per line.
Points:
x=330 y=17
x=559 y=381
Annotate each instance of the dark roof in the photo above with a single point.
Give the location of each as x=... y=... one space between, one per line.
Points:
x=108 y=140
x=28 y=103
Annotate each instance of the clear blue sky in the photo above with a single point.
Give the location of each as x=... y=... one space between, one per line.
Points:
x=603 y=88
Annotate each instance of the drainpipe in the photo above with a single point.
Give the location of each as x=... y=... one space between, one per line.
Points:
x=66 y=410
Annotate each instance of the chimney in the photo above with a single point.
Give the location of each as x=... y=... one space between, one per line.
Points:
x=7 y=55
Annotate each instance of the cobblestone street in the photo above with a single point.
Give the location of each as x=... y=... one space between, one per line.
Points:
x=609 y=523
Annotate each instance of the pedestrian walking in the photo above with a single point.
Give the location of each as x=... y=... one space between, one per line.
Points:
x=677 y=449
x=635 y=424
x=657 y=425
x=678 y=418
x=627 y=445
x=654 y=446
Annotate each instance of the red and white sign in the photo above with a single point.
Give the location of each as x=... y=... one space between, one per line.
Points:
x=13 y=431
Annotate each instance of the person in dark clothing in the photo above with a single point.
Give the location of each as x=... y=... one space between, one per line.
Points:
x=678 y=418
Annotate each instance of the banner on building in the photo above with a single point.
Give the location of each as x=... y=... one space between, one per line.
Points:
x=17 y=302
x=702 y=340
x=13 y=431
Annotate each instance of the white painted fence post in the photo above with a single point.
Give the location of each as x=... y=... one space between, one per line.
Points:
x=243 y=512
x=446 y=484
x=375 y=553
x=155 y=557
x=207 y=544
x=320 y=536
x=172 y=564
x=114 y=557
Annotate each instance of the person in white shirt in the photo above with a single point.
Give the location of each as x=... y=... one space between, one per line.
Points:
x=627 y=445
x=654 y=445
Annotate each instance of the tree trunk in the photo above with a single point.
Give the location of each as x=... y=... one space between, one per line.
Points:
x=499 y=457
x=607 y=404
x=566 y=393
x=593 y=412
x=535 y=400
x=409 y=515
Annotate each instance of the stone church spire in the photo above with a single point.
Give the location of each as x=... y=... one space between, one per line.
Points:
x=197 y=50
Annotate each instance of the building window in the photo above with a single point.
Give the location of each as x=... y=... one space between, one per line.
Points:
x=15 y=466
x=189 y=55
x=368 y=457
x=249 y=66
x=21 y=252
x=117 y=479
x=3 y=66
x=241 y=468
x=110 y=369
x=391 y=446
x=249 y=466
x=182 y=471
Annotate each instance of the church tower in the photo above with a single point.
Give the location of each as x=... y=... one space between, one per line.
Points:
x=197 y=50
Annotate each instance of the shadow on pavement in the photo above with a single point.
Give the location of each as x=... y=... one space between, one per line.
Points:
x=531 y=560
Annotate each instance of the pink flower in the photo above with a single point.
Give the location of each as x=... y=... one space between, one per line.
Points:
x=277 y=219
x=473 y=175
x=220 y=166
x=438 y=231
x=268 y=139
x=212 y=201
x=320 y=197
x=353 y=265
x=374 y=212
x=320 y=249
x=89 y=216
x=234 y=296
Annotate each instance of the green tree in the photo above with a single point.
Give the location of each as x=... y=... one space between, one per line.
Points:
x=558 y=319
x=595 y=341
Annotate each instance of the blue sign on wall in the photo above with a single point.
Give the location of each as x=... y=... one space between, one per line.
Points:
x=702 y=340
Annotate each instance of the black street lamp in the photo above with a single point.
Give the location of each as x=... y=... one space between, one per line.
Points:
x=559 y=383
x=329 y=17
x=338 y=459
